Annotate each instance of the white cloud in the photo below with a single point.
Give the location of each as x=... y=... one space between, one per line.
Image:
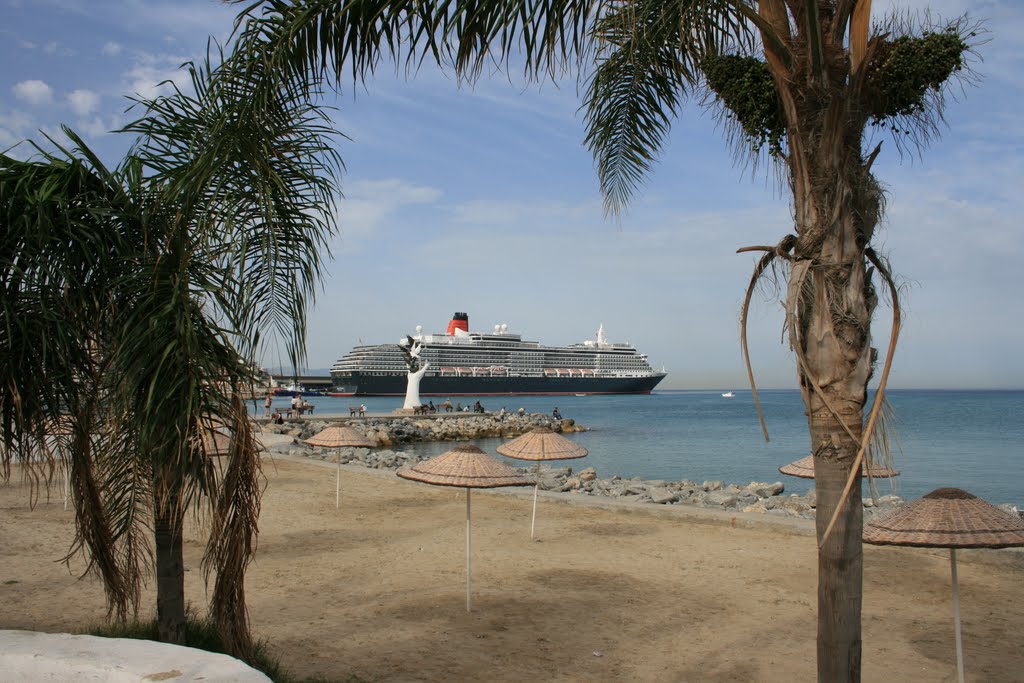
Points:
x=33 y=92
x=83 y=102
x=95 y=127
x=50 y=48
x=111 y=49
x=369 y=203
x=150 y=70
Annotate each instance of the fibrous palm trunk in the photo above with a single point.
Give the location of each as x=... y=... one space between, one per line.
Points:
x=830 y=303
x=168 y=519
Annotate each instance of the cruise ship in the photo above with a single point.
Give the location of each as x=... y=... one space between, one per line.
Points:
x=499 y=363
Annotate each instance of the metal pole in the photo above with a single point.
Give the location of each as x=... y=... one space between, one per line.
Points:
x=337 y=485
x=956 y=617
x=469 y=554
x=533 y=521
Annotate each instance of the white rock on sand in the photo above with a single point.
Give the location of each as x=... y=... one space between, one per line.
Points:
x=43 y=657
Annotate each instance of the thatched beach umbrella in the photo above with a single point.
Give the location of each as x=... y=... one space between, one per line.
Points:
x=948 y=518
x=468 y=467
x=804 y=467
x=537 y=445
x=339 y=437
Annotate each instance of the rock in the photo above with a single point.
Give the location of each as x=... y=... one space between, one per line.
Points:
x=794 y=505
x=714 y=485
x=764 y=490
x=662 y=495
x=588 y=474
x=548 y=483
x=723 y=498
x=571 y=484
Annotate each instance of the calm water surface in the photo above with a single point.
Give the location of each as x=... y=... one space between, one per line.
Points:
x=972 y=440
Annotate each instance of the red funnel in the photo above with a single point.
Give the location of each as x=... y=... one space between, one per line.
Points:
x=459 y=321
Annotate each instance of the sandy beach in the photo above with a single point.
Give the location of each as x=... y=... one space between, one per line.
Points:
x=609 y=592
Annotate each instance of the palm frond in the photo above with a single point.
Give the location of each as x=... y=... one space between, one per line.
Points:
x=812 y=30
x=267 y=175
x=325 y=39
x=631 y=99
x=649 y=61
x=233 y=530
x=55 y=239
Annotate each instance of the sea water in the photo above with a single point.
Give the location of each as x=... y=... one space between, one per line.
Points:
x=973 y=440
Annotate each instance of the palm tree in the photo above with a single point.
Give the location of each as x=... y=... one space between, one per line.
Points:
x=802 y=80
x=134 y=300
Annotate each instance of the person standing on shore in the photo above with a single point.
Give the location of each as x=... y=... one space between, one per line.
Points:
x=555 y=414
x=266 y=404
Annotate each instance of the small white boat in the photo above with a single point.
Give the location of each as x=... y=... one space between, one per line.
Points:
x=728 y=394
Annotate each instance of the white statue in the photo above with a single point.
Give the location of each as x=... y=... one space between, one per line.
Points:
x=417 y=368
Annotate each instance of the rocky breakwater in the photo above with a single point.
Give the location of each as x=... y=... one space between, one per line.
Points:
x=755 y=497
x=391 y=432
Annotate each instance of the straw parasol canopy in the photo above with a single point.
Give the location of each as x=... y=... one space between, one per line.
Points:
x=541 y=444
x=339 y=437
x=804 y=467
x=469 y=467
x=948 y=518
x=466 y=466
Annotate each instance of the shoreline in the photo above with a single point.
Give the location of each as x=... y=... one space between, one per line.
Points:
x=392 y=432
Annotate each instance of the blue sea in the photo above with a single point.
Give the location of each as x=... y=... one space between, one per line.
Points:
x=973 y=440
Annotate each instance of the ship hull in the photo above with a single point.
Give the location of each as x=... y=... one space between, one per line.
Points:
x=394 y=384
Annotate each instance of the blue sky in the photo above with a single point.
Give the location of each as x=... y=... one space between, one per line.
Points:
x=484 y=200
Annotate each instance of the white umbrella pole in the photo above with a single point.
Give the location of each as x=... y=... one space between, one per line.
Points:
x=956 y=616
x=533 y=521
x=469 y=546
x=337 y=485
x=67 y=484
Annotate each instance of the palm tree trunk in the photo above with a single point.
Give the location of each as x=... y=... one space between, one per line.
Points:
x=838 y=362
x=168 y=518
x=840 y=567
x=831 y=301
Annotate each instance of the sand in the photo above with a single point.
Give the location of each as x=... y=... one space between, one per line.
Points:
x=376 y=590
